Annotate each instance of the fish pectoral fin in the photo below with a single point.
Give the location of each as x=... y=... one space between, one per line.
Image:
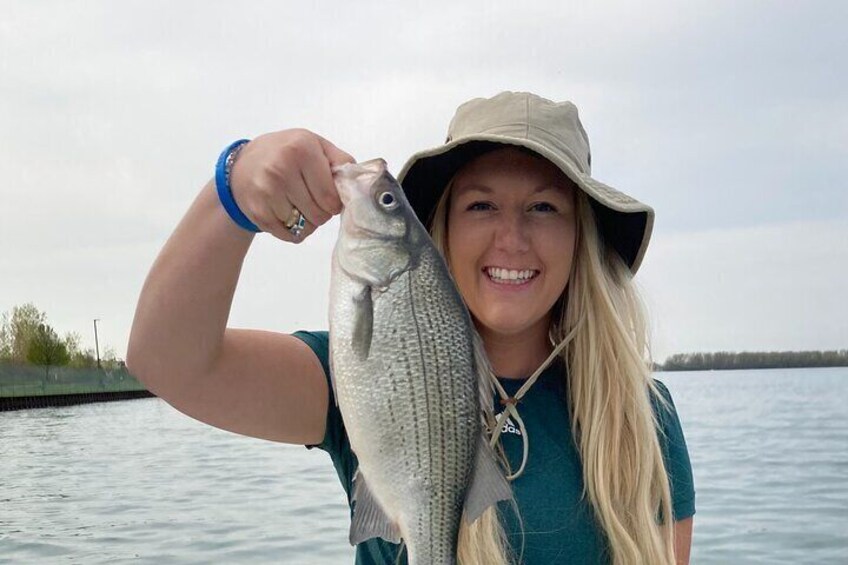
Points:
x=369 y=520
x=363 y=324
x=488 y=484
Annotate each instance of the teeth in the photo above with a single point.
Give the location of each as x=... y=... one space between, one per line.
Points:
x=510 y=276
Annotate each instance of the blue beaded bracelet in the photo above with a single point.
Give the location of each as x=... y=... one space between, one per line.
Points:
x=225 y=193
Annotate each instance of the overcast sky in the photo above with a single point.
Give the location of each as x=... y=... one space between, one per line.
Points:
x=729 y=118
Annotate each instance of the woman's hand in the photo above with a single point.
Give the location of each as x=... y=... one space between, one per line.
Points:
x=291 y=168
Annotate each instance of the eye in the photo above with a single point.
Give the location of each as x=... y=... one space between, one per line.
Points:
x=480 y=206
x=543 y=207
x=387 y=200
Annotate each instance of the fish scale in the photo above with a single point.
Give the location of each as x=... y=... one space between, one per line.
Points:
x=405 y=376
x=430 y=403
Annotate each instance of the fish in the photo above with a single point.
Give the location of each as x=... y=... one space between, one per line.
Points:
x=407 y=373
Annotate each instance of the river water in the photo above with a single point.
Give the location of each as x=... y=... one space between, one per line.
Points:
x=136 y=481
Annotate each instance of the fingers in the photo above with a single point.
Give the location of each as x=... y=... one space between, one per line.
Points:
x=299 y=195
x=279 y=230
x=284 y=217
x=318 y=177
x=282 y=170
x=285 y=196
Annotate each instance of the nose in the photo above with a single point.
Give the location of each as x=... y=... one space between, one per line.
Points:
x=512 y=235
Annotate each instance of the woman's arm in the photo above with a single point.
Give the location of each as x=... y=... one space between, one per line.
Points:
x=682 y=540
x=262 y=384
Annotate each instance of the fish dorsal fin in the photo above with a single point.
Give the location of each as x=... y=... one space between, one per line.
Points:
x=369 y=520
x=363 y=324
x=488 y=484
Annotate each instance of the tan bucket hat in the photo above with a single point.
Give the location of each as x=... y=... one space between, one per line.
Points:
x=550 y=129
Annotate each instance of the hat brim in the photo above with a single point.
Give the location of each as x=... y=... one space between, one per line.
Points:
x=623 y=222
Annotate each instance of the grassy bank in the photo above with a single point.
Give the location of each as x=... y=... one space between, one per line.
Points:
x=29 y=381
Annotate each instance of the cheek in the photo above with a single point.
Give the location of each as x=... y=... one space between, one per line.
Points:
x=560 y=249
x=464 y=252
x=458 y=248
x=462 y=258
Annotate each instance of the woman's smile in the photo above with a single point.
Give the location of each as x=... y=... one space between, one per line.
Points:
x=511 y=277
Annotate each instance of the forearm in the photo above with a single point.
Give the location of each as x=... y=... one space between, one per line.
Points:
x=683 y=540
x=185 y=302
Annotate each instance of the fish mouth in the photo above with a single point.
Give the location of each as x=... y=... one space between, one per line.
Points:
x=372 y=167
x=355 y=179
x=507 y=276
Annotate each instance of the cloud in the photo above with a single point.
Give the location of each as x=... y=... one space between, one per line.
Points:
x=728 y=118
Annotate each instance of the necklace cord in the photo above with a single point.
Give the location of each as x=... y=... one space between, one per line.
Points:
x=510 y=403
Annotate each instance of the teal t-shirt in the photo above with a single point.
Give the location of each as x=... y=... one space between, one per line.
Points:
x=558 y=523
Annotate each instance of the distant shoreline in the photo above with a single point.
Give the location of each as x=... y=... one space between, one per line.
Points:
x=27 y=386
x=731 y=360
x=9 y=403
x=659 y=368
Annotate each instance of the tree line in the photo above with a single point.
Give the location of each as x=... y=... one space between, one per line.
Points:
x=26 y=338
x=724 y=360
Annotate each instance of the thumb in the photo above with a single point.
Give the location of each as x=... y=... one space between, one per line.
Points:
x=335 y=155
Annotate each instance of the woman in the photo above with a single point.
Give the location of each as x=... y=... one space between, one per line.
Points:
x=542 y=254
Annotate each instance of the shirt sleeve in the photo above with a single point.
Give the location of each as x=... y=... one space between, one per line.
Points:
x=335 y=441
x=676 y=456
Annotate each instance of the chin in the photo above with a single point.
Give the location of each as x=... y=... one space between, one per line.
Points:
x=505 y=325
x=511 y=321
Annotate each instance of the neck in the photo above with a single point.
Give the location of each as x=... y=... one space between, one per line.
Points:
x=517 y=356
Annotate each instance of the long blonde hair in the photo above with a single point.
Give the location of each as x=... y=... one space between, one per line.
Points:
x=609 y=387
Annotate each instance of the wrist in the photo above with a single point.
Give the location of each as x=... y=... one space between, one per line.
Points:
x=223 y=169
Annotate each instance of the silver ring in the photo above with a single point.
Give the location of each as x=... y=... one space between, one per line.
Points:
x=296 y=222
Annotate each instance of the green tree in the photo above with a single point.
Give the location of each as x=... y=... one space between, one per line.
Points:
x=110 y=359
x=21 y=328
x=83 y=359
x=5 y=338
x=72 y=342
x=46 y=349
x=79 y=358
x=723 y=360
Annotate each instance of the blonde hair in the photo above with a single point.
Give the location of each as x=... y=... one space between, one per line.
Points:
x=609 y=388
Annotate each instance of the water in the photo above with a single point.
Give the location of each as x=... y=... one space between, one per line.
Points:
x=769 y=453
x=137 y=481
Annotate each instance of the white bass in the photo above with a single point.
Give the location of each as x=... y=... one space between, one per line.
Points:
x=406 y=379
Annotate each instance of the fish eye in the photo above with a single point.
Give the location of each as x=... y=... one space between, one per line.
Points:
x=387 y=200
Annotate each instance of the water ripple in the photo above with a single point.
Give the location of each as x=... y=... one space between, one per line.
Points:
x=139 y=482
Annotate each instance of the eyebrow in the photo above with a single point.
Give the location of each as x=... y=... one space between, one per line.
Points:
x=488 y=190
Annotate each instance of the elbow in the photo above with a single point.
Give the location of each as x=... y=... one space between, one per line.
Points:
x=135 y=361
x=142 y=365
x=145 y=359
x=162 y=369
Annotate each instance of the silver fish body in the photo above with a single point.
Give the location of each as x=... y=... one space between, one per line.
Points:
x=405 y=376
